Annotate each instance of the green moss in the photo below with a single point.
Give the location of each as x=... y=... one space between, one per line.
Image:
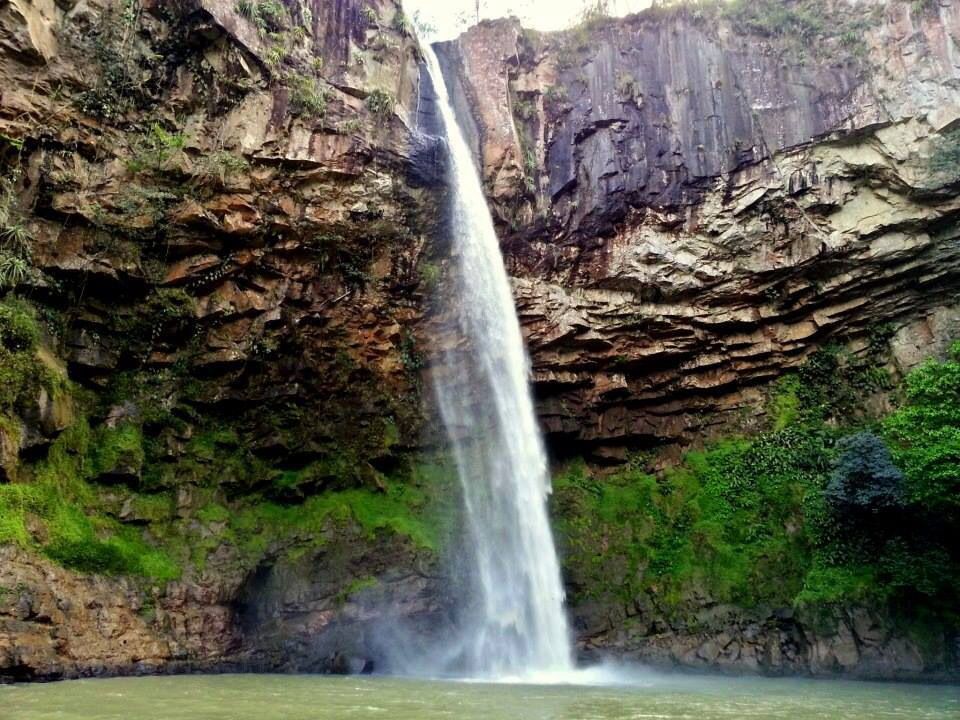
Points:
x=121 y=445
x=717 y=521
x=19 y=330
x=22 y=373
x=59 y=514
x=153 y=508
x=835 y=584
x=356 y=587
x=395 y=510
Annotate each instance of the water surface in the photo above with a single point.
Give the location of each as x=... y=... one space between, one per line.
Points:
x=278 y=697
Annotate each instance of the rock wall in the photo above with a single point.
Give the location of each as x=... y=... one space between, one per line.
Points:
x=230 y=214
x=228 y=208
x=691 y=202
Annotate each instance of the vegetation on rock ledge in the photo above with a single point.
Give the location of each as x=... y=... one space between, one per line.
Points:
x=828 y=508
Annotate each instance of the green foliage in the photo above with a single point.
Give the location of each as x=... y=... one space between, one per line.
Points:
x=794 y=24
x=356 y=587
x=803 y=19
x=22 y=373
x=153 y=150
x=307 y=97
x=430 y=274
x=401 y=24
x=116 y=446
x=864 y=479
x=524 y=109
x=121 y=83
x=74 y=532
x=19 y=331
x=380 y=103
x=924 y=6
x=268 y=15
x=16 y=240
x=832 y=384
x=275 y=56
x=398 y=509
x=556 y=94
x=413 y=359
x=924 y=435
x=370 y=16
x=628 y=89
x=813 y=513
x=221 y=166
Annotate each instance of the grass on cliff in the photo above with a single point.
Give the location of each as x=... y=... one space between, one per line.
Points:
x=52 y=507
x=758 y=522
x=57 y=512
x=22 y=373
x=414 y=504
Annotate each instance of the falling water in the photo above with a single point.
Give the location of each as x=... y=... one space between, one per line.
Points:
x=520 y=628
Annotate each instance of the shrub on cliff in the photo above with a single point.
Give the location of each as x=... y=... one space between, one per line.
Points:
x=864 y=480
x=925 y=436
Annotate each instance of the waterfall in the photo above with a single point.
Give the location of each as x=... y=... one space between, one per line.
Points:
x=481 y=384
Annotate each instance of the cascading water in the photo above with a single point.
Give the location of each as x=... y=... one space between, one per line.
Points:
x=519 y=628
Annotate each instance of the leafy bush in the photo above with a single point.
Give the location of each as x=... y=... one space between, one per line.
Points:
x=924 y=435
x=267 y=15
x=221 y=165
x=153 y=150
x=768 y=520
x=16 y=241
x=380 y=103
x=864 y=479
x=307 y=97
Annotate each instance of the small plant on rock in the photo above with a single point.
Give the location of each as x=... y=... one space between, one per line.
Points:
x=155 y=149
x=16 y=241
x=380 y=103
x=401 y=24
x=307 y=97
x=370 y=16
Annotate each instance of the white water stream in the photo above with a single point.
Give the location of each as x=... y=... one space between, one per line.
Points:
x=519 y=629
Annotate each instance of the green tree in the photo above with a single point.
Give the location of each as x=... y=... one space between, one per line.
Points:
x=924 y=435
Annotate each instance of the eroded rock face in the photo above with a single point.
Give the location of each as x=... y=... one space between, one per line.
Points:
x=354 y=606
x=235 y=247
x=853 y=642
x=224 y=222
x=689 y=209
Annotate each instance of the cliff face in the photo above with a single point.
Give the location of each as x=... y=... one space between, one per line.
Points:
x=223 y=209
x=215 y=255
x=692 y=201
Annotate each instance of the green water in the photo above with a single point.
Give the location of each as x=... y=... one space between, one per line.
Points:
x=274 y=697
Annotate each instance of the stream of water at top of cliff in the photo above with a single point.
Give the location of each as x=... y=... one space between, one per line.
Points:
x=517 y=628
